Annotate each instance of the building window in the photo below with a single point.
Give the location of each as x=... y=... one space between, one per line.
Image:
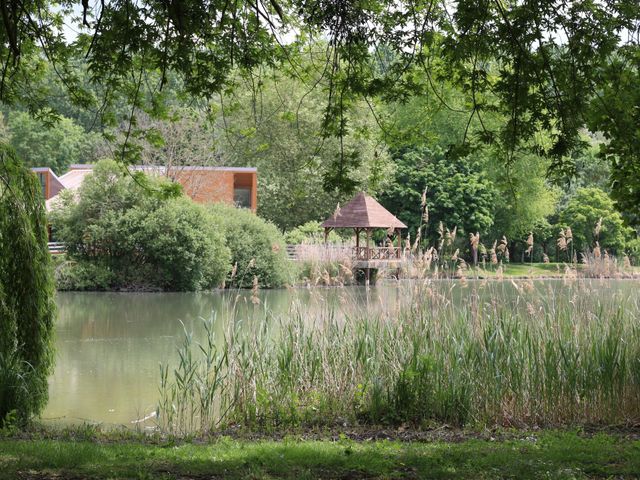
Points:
x=43 y=183
x=242 y=197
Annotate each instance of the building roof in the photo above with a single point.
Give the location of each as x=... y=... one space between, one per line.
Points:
x=162 y=168
x=74 y=178
x=363 y=211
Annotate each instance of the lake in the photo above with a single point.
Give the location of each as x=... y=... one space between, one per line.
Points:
x=110 y=345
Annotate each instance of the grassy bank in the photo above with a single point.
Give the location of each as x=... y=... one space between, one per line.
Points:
x=523 y=270
x=547 y=455
x=549 y=270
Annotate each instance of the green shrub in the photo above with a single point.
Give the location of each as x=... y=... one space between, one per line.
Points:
x=588 y=206
x=185 y=246
x=257 y=248
x=72 y=275
x=633 y=250
x=310 y=232
x=120 y=235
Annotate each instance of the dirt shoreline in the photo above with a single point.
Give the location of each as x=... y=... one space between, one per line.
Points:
x=361 y=433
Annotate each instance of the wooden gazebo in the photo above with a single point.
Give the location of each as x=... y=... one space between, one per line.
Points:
x=364 y=214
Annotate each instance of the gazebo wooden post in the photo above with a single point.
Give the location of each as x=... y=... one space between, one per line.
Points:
x=367 y=256
x=326 y=235
x=368 y=238
x=399 y=242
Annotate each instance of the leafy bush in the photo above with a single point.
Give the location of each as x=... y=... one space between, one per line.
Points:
x=120 y=235
x=633 y=250
x=257 y=248
x=184 y=245
x=584 y=210
x=310 y=232
x=71 y=275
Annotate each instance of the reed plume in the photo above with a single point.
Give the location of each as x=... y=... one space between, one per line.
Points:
x=598 y=227
x=416 y=242
x=562 y=240
x=568 y=234
x=503 y=248
x=529 y=244
x=492 y=253
x=336 y=212
x=255 y=299
x=474 y=241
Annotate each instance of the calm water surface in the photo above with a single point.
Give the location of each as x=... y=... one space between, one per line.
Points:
x=110 y=345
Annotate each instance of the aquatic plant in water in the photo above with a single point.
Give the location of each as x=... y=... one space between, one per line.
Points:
x=481 y=354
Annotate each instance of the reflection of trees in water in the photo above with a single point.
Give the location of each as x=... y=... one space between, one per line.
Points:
x=117 y=315
x=104 y=315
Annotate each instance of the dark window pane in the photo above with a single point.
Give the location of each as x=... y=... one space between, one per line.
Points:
x=43 y=183
x=242 y=197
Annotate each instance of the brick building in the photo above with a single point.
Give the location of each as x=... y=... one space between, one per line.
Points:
x=233 y=185
x=49 y=181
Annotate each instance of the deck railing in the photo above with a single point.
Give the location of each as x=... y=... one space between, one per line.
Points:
x=56 y=248
x=377 y=253
x=330 y=252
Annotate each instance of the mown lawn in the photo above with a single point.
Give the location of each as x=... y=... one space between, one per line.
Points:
x=547 y=455
x=535 y=269
x=532 y=270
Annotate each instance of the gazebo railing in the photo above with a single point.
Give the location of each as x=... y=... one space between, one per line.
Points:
x=377 y=253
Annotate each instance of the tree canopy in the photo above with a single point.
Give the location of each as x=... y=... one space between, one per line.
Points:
x=593 y=218
x=548 y=67
x=458 y=193
x=54 y=146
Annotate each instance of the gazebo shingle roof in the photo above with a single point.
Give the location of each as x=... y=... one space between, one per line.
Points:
x=363 y=211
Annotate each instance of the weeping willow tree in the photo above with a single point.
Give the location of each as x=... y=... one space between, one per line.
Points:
x=27 y=308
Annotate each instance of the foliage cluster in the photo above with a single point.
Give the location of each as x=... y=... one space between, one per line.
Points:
x=310 y=233
x=458 y=192
x=592 y=217
x=27 y=307
x=56 y=146
x=512 y=199
x=258 y=253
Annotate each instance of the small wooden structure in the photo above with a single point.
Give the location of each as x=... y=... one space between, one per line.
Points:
x=364 y=214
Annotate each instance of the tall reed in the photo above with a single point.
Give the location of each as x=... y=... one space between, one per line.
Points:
x=496 y=353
